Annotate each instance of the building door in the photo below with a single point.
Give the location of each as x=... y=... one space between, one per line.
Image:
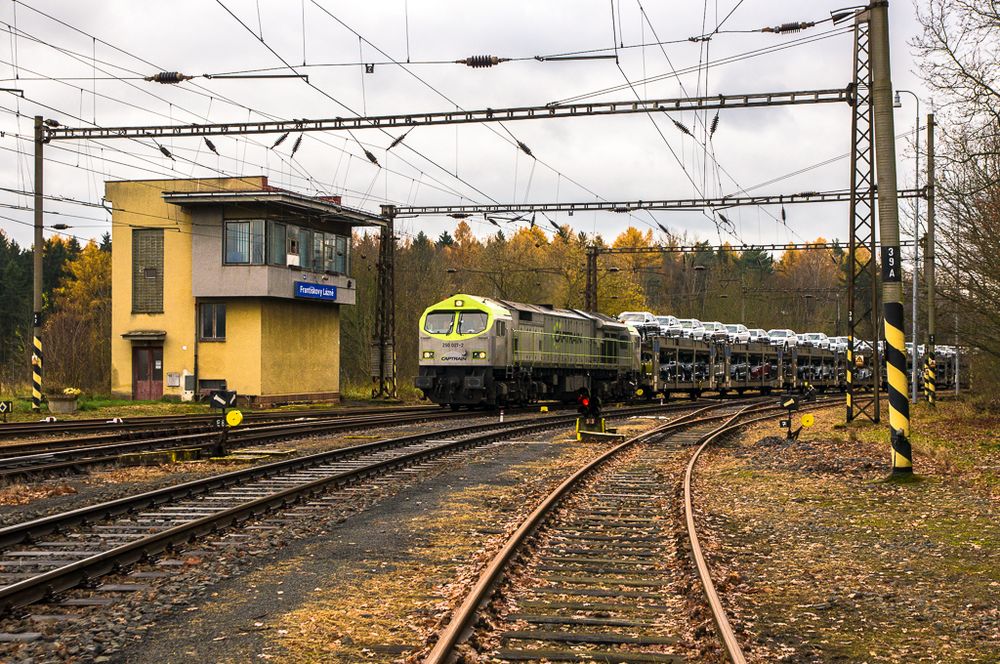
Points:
x=147 y=372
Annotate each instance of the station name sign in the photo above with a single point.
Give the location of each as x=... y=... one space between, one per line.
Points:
x=312 y=291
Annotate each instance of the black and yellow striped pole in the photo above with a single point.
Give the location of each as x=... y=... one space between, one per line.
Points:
x=36 y=323
x=849 y=369
x=930 y=379
x=888 y=213
x=929 y=271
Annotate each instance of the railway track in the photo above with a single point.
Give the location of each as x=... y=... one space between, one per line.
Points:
x=53 y=554
x=29 y=459
x=33 y=459
x=597 y=562
x=134 y=425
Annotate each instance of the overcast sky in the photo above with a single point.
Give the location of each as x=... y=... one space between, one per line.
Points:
x=580 y=159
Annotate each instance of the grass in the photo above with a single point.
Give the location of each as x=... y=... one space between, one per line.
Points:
x=962 y=435
x=844 y=564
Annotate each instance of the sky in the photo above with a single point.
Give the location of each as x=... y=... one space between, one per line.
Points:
x=83 y=64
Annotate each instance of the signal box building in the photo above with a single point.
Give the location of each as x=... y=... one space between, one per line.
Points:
x=228 y=283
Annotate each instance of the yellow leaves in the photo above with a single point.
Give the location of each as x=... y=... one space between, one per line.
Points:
x=89 y=282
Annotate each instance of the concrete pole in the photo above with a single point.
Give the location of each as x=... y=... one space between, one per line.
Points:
x=929 y=264
x=888 y=214
x=36 y=319
x=914 y=375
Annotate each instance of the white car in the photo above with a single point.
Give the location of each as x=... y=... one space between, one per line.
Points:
x=643 y=321
x=815 y=339
x=715 y=331
x=675 y=329
x=666 y=324
x=691 y=328
x=838 y=344
x=783 y=337
x=757 y=334
x=738 y=333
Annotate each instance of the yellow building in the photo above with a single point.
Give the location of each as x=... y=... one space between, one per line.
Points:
x=228 y=283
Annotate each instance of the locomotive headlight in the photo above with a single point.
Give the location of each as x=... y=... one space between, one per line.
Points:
x=479 y=354
x=427 y=355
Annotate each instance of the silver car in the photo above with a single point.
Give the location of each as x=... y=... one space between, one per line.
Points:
x=667 y=323
x=757 y=334
x=691 y=328
x=815 y=339
x=838 y=344
x=783 y=337
x=738 y=333
x=715 y=331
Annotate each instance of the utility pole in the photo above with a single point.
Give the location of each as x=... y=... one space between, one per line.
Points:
x=929 y=275
x=590 y=290
x=36 y=319
x=888 y=214
x=862 y=291
x=384 y=346
x=898 y=103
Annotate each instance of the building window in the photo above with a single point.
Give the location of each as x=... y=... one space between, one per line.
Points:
x=147 y=270
x=276 y=250
x=245 y=242
x=341 y=255
x=213 y=321
x=305 y=248
x=329 y=253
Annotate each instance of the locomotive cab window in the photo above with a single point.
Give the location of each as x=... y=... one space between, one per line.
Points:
x=501 y=328
x=471 y=322
x=439 y=322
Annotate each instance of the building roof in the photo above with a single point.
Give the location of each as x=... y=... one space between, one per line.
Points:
x=287 y=200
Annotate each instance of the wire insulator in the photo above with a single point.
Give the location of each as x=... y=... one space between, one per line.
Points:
x=169 y=77
x=681 y=127
x=166 y=152
x=715 y=125
x=480 y=61
x=399 y=139
x=525 y=149
x=211 y=145
x=786 y=28
x=532 y=220
x=372 y=158
x=295 y=147
x=281 y=139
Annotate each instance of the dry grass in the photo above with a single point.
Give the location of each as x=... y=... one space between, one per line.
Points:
x=834 y=564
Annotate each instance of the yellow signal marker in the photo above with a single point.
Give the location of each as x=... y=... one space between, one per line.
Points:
x=808 y=420
x=233 y=418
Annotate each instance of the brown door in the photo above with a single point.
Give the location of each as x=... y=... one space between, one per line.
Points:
x=147 y=373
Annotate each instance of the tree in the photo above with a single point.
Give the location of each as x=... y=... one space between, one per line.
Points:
x=445 y=240
x=15 y=313
x=957 y=49
x=78 y=331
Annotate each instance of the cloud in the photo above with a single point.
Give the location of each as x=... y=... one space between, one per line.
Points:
x=617 y=158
